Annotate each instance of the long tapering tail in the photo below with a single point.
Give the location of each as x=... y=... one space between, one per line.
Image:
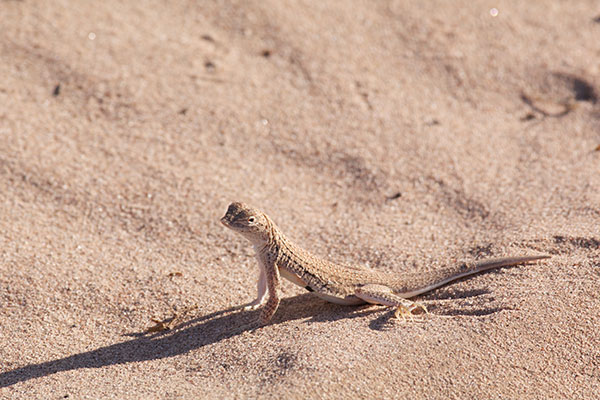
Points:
x=425 y=282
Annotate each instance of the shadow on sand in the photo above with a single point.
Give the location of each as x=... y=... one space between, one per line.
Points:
x=189 y=335
x=212 y=328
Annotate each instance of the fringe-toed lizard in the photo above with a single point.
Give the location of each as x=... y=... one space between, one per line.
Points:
x=277 y=256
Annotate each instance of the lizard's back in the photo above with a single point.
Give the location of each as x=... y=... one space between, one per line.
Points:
x=340 y=281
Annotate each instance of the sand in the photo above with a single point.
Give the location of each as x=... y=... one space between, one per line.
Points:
x=402 y=136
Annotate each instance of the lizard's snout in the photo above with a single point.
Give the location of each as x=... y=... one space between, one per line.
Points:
x=225 y=221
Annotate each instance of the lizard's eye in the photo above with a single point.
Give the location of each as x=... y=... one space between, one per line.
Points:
x=251 y=220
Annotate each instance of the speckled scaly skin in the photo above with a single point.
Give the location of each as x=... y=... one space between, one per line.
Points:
x=277 y=257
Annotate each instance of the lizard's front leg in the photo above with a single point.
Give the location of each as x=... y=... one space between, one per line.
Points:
x=272 y=276
x=261 y=287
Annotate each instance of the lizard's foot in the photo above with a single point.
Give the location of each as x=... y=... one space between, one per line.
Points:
x=254 y=305
x=404 y=312
x=408 y=312
x=384 y=295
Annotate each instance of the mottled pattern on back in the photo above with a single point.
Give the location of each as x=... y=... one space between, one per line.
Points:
x=333 y=282
x=338 y=280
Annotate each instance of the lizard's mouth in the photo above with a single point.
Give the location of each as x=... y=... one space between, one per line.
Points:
x=225 y=221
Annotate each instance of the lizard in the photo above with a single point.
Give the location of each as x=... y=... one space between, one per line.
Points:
x=349 y=285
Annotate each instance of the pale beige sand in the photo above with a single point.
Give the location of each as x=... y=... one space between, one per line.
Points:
x=316 y=113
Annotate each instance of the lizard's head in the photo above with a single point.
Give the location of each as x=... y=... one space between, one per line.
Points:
x=250 y=222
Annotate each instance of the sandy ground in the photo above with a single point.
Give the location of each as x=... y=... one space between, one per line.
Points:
x=399 y=135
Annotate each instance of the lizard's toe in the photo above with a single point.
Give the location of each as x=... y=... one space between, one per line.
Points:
x=403 y=312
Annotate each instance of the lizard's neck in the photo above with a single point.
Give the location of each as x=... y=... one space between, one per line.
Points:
x=273 y=237
x=277 y=239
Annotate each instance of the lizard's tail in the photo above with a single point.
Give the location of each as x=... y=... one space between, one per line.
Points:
x=425 y=282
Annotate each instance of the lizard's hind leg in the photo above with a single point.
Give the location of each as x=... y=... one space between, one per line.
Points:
x=381 y=294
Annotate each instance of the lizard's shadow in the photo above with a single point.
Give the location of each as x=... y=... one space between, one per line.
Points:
x=386 y=320
x=189 y=335
x=204 y=330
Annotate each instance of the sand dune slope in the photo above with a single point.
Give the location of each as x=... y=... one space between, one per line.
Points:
x=397 y=135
